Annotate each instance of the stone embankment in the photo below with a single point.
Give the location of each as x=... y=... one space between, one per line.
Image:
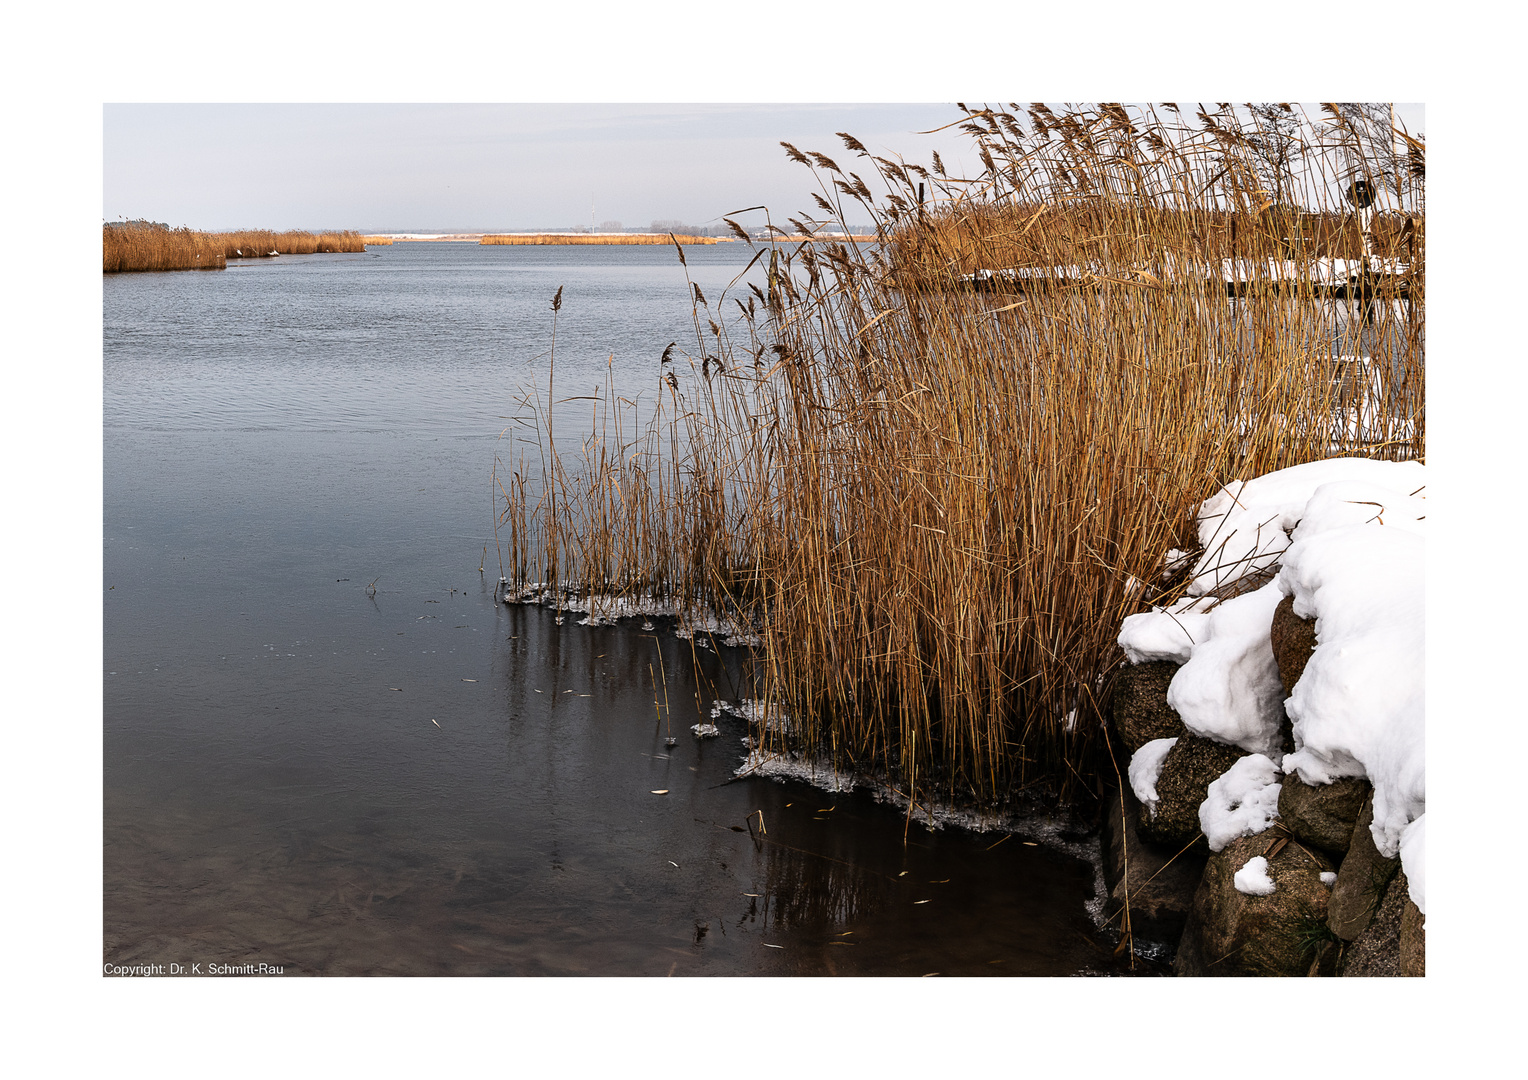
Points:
x=1250 y=830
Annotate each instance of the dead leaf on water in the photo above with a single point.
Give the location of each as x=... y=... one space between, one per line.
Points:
x=1030 y=843
x=469 y=680
x=920 y=901
x=436 y=723
x=767 y=945
x=660 y=791
x=397 y=688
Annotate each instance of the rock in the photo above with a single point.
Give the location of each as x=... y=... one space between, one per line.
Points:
x=1376 y=952
x=1160 y=886
x=1187 y=772
x=1282 y=933
x=1188 y=962
x=1323 y=815
x=1413 y=938
x=1138 y=704
x=1293 y=639
x=1361 y=879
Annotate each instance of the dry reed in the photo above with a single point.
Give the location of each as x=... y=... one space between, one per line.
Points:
x=263 y=243
x=146 y=245
x=377 y=241
x=143 y=245
x=937 y=505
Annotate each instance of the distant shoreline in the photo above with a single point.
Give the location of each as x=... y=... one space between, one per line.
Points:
x=613 y=239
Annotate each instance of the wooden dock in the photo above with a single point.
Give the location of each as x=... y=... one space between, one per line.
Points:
x=1338 y=279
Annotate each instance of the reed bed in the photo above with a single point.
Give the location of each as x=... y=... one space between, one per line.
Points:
x=377 y=241
x=142 y=245
x=263 y=243
x=600 y=238
x=933 y=506
x=1010 y=235
x=147 y=245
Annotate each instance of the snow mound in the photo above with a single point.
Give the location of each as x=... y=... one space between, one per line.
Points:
x=1166 y=633
x=1245 y=526
x=1358 y=709
x=1253 y=878
x=1145 y=767
x=1414 y=862
x=1346 y=539
x=1229 y=689
x=1242 y=802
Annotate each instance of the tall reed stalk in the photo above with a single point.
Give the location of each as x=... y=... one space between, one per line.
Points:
x=936 y=504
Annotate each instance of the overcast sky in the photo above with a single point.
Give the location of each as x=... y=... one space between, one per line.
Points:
x=464 y=168
x=477 y=167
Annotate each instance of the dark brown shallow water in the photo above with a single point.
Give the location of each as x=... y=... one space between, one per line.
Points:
x=411 y=778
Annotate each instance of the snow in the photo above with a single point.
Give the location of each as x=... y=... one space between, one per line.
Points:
x=1242 y=802
x=1145 y=767
x=1244 y=527
x=1346 y=538
x=773 y=717
x=1328 y=878
x=1358 y=708
x=1414 y=863
x=1166 y=633
x=815 y=770
x=1337 y=505
x=1174 y=563
x=705 y=731
x=1253 y=878
x=1229 y=690
x=606 y=609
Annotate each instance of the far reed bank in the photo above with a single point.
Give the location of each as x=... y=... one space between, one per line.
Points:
x=599 y=239
x=146 y=245
x=935 y=507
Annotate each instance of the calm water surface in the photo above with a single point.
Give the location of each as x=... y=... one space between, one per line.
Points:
x=410 y=778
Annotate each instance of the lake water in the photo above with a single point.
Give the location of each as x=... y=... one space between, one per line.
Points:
x=328 y=749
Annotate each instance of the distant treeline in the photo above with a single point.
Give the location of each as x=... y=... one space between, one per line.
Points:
x=152 y=245
x=601 y=238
